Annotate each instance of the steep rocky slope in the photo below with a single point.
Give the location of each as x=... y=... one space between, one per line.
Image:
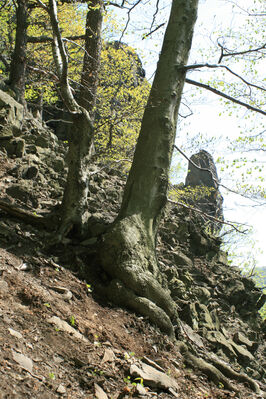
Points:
x=58 y=335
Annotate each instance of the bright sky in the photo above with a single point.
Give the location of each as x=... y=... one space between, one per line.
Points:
x=213 y=16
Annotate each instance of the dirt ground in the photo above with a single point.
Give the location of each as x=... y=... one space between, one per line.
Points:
x=101 y=344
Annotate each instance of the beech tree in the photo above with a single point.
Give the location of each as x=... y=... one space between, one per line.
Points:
x=18 y=64
x=128 y=253
x=128 y=248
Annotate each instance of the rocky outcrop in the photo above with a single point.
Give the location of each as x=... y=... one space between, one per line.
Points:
x=11 y=118
x=202 y=185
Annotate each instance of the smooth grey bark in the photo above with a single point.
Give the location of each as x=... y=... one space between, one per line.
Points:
x=128 y=249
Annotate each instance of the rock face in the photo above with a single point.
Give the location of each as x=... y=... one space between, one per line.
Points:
x=203 y=179
x=11 y=117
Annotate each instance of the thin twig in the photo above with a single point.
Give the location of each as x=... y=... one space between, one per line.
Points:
x=128 y=18
x=47 y=39
x=233 y=54
x=221 y=94
x=154 y=30
x=229 y=223
x=196 y=66
x=155 y=13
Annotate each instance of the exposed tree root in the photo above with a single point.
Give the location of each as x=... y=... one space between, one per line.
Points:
x=120 y=295
x=128 y=257
x=229 y=372
x=218 y=372
x=26 y=216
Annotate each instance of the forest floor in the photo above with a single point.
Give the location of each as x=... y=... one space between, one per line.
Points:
x=58 y=340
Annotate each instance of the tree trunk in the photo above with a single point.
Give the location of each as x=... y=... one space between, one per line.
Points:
x=18 y=63
x=91 y=60
x=74 y=205
x=128 y=253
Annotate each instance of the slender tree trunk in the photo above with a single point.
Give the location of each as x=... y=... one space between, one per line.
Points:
x=18 y=63
x=128 y=253
x=91 y=61
x=74 y=205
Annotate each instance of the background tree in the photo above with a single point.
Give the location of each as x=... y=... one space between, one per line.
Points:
x=17 y=73
x=121 y=98
x=74 y=204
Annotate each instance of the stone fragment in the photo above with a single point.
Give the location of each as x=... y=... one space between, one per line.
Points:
x=108 y=356
x=174 y=393
x=217 y=338
x=205 y=317
x=64 y=326
x=15 y=147
x=140 y=390
x=204 y=178
x=152 y=377
x=194 y=337
x=42 y=142
x=30 y=172
x=242 y=353
x=15 y=333
x=203 y=294
x=99 y=392
x=182 y=259
x=66 y=293
x=58 y=164
x=3 y=287
x=222 y=257
x=150 y=362
x=61 y=389
x=178 y=288
x=190 y=316
x=24 y=361
x=21 y=193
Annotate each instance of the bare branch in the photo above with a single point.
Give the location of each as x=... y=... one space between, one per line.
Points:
x=189 y=109
x=251 y=14
x=229 y=223
x=78 y=45
x=110 y=3
x=154 y=30
x=43 y=72
x=155 y=13
x=226 y=53
x=42 y=5
x=197 y=166
x=128 y=18
x=221 y=94
x=47 y=39
x=213 y=66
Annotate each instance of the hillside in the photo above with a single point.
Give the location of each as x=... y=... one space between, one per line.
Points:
x=61 y=337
